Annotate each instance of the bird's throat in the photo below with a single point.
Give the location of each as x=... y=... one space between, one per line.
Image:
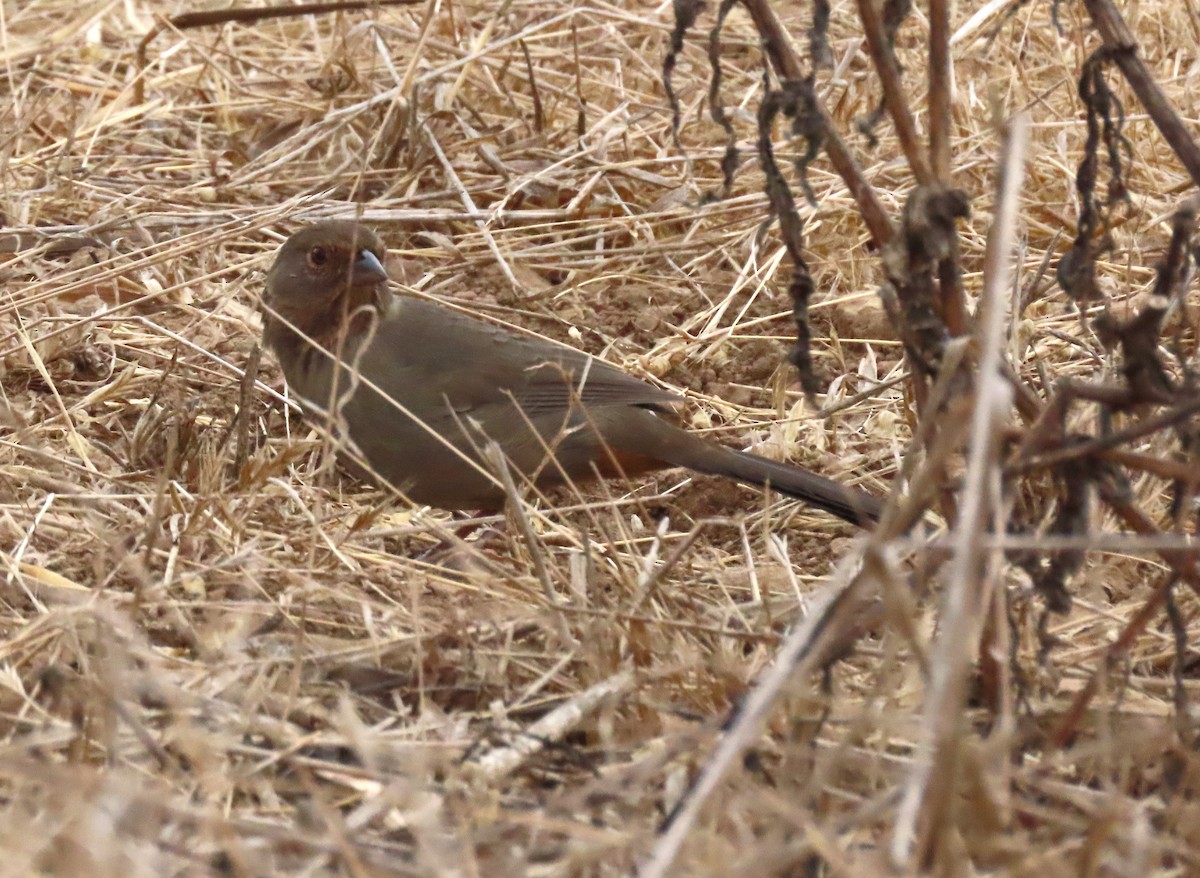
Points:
x=350 y=317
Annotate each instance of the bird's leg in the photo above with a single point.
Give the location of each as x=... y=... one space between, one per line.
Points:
x=453 y=550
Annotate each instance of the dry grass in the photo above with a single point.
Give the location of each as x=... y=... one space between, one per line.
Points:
x=207 y=669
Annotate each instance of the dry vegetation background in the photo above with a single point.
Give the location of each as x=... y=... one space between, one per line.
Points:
x=220 y=656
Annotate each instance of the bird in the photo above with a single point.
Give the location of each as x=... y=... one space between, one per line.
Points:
x=422 y=391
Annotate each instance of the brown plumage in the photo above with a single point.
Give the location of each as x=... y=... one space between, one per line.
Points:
x=420 y=389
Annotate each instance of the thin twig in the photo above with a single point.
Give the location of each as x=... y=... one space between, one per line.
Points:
x=787 y=65
x=888 y=70
x=209 y=17
x=1118 y=37
x=932 y=784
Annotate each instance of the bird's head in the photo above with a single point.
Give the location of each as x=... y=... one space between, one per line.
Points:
x=324 y=274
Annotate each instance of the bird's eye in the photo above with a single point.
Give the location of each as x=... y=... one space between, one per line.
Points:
x=317 y=257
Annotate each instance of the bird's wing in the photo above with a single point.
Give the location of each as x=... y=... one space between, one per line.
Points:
x=426 y=355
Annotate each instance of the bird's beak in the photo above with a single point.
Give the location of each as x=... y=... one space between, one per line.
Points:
x=367 y=270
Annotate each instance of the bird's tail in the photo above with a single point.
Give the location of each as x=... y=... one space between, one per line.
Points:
x=661 y=440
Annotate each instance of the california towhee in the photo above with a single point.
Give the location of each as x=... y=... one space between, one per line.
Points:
x=420 y=389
